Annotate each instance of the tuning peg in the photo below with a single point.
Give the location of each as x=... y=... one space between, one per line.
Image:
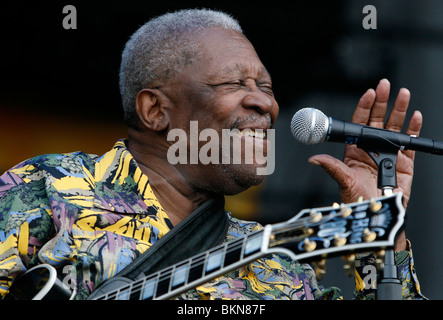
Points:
x=315 y=216
x=339 y=241
x=320 y=268
x=349 y=264
x=379 y=258
x=345 y=211
x=309 y=245
x=369 y=236
x=374 y=205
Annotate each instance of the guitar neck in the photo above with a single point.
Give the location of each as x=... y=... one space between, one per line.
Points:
x=197 y=270
x=311 y=233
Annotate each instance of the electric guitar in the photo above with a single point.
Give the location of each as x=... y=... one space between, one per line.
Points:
x=370 y=225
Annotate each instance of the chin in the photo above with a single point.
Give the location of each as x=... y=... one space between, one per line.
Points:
x=241 y=180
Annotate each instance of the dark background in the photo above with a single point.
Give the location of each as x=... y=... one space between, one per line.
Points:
x=59 y=91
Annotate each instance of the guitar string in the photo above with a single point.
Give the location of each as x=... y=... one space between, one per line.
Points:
x=229 y=247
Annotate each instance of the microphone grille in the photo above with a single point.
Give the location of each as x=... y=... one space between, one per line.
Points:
x=309 y=126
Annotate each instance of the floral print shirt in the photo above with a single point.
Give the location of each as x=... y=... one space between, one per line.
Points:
x=99 y=213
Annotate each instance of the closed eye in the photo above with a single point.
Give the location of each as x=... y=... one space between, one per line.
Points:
x=266 y=88
x=234 y=85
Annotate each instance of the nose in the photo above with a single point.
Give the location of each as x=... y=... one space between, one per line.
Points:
x=262 y=102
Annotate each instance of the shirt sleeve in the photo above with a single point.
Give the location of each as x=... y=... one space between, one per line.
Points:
x=366 y=279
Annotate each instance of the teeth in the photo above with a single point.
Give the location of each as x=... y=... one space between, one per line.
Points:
x=260 y=134
x=252 y=133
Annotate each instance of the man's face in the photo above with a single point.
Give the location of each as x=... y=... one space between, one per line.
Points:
x=227 y=90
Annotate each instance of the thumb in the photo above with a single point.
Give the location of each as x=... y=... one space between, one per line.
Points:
x=335 y=168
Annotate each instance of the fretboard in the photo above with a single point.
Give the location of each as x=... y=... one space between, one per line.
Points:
x=198 y=269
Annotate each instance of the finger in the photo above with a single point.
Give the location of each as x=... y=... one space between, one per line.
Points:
x=415 y=125
x=363 y=109
x=378 y=112
x=398 y=113
x=337 y=169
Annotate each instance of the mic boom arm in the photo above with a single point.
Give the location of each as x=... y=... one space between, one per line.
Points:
x=370 y=137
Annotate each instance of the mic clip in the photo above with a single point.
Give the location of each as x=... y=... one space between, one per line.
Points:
x=386 y=163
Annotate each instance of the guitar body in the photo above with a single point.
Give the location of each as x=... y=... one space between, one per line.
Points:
x=39 y=283
x=311 y=234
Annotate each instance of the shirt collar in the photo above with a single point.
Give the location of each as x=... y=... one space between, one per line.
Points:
x=121 y=186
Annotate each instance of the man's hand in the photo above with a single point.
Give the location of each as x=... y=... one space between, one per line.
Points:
x=356 y=175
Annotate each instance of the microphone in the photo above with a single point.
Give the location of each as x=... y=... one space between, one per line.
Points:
x=311 y=126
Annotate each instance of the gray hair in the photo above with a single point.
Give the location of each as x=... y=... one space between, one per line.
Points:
x=161 y=48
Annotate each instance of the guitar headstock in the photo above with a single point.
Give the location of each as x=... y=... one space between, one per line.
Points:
x=369 y=225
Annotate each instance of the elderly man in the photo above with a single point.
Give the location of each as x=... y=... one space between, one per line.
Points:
x=98 y=214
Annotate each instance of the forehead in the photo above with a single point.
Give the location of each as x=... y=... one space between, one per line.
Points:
x=224 y=53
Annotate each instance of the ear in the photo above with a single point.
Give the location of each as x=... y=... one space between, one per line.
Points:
x=150 y=106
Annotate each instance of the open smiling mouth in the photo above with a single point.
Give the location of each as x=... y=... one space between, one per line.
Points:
x=256 y=133
x=234 y=146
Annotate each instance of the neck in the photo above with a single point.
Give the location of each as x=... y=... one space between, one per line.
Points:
x=174 y=192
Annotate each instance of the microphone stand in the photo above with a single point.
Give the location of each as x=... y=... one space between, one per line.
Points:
x=389 y=286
